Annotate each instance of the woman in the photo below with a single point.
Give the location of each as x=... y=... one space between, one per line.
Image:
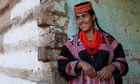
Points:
x=92 y=56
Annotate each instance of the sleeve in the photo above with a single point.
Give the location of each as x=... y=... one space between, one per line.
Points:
x=119 y=61
x=67 y=64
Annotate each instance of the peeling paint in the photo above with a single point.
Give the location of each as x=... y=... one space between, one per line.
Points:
x=137 y=30
x=137 y=59
x=125 y=30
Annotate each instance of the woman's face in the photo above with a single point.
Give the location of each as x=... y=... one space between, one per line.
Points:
x=85 y=21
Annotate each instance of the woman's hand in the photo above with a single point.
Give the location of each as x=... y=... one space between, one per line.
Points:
x=87 y=68
x=105 y=73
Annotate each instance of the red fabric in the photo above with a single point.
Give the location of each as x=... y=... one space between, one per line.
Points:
x=83 y=8
x=69 y=68
x=62 y=58
x=122 y=68
x=110 y=39
x=97 y=39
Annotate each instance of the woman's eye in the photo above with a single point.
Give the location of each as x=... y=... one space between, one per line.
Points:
x=84 y=16
x=77 y=17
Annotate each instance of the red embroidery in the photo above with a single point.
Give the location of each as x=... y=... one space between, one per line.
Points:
x=69 y=68
x=122 y=68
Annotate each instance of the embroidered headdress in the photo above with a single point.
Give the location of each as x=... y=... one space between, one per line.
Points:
x=83 y=7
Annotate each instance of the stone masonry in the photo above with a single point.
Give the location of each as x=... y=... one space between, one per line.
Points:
x=31 y=36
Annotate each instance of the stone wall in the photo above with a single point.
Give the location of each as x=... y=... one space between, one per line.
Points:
x=31 y=36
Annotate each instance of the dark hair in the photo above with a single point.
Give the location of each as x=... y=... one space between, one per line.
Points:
x=91 y=12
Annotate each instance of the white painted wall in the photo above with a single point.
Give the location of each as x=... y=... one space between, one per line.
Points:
x=23 y=7
x=9 y=80
x=20 y=48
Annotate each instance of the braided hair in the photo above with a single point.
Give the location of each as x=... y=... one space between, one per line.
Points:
x=91 y=12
